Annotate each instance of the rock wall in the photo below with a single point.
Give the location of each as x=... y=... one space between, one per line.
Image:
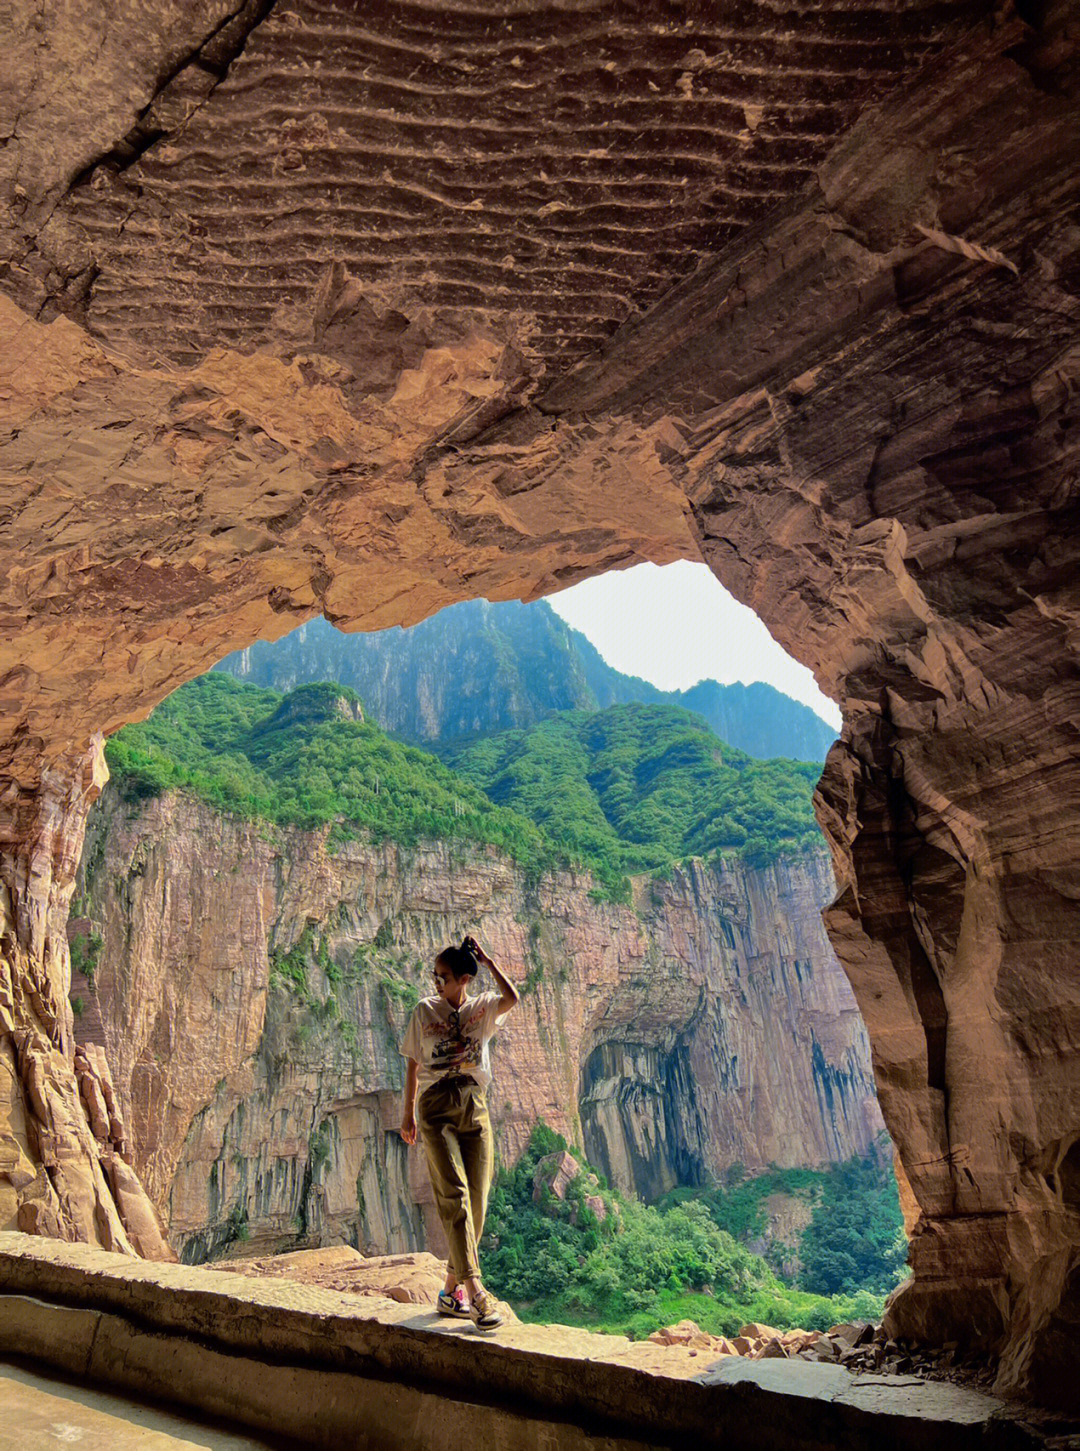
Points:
x=65 y=1159
x=860 y=409
x=253 y=986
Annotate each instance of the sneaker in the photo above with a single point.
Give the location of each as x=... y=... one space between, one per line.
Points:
x=453 y=1303
x=485 y=1311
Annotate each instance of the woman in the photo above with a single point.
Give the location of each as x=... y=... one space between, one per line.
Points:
x=446 y=1045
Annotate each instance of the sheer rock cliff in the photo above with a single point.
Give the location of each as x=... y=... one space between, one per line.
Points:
x=253 y=985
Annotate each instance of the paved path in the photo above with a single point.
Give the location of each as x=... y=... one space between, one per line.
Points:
x=38 y=1413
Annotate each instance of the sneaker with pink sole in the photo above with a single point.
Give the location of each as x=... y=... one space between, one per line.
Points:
x=453 y=1303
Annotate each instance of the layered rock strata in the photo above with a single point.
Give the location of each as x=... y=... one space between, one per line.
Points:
x=254 y=984
x=861 y=412
x=65 y=1163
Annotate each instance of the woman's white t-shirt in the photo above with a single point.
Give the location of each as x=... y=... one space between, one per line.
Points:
x=445 y=1040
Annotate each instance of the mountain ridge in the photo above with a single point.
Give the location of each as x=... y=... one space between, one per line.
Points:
x=628 y=789
x=480 y=668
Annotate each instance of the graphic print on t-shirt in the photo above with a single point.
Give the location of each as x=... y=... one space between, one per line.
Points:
x=443 y=1040
x=456 y=1050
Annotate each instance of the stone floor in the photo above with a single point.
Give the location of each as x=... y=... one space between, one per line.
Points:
x=39 y=1412
x=341 y=1371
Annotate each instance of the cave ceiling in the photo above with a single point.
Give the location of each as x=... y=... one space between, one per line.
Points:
x=266 y=268
x=551 y=169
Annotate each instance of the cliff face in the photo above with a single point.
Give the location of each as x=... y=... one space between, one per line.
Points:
x=65 y=1154
x=253 y=987
x=472 y=669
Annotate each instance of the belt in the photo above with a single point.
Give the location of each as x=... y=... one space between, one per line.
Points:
x=451 y=1080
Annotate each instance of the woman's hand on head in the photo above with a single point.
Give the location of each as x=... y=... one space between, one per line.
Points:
x=477 y=951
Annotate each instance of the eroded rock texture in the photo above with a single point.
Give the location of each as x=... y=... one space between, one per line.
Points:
x=65 y=1168
x=323 y=280
x=709 y=1025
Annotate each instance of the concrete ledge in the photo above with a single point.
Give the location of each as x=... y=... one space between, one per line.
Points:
x=332 y=1371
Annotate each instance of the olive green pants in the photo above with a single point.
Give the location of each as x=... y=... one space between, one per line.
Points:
x=455 y=1129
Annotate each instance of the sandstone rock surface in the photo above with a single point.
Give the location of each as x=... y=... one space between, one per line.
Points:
x=410 y=1279
x=862 y=414
x=333 y=1369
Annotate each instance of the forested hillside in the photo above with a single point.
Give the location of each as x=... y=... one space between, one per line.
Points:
x=639 y=786
x=478 y=668
x=306 y=759
x=630 y=789
x=562 y=1246
x=756 y=718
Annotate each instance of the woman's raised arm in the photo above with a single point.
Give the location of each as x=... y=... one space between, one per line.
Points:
x=510 y=995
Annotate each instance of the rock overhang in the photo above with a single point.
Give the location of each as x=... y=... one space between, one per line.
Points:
x=861 y=415
x=551 y=169
x=376 y=454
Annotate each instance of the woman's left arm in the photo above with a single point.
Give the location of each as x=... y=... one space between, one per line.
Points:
x=510 y=995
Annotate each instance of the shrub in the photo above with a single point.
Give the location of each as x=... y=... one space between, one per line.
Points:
x=641 y=1266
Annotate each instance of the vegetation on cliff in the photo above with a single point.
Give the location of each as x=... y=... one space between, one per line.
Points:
x=631 y=1268
x=298 y=760
x=855 y=1238
x=633 y=788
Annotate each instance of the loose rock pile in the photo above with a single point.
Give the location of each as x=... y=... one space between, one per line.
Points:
x=754 y=1341
x=858 y=1346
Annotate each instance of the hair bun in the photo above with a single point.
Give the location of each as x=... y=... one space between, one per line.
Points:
x=462 y=961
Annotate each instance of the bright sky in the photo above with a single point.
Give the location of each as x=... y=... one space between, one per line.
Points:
x=675 y=625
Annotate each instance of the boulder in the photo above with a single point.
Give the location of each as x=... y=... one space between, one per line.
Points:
x=688 y=1333
x=772 y=1350
x=681 y=1334
x=555 y=1172
x=798 y=1340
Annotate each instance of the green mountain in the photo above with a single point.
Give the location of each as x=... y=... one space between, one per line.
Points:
x=479 y=668
x=469 y=670
x=644 y=785
x=307 y=758
x=629 y=789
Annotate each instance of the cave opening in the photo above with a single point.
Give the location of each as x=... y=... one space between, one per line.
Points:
x=250 y=1031
x=140 y=862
